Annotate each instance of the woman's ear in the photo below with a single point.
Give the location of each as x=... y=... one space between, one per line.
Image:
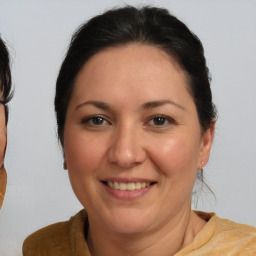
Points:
x=65 y=166
x=206 y=144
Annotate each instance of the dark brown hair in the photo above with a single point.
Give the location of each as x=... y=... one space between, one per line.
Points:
x=5 y=77
x=146 y=25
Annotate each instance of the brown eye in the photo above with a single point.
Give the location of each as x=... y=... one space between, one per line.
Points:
x=95 y=121
x=159 y=120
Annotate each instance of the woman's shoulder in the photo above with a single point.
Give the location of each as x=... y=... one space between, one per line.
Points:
x=222 y=225
x=230 y=225
x=243 y=235
x=48 y=240
x=227 y=237
x=55 y=239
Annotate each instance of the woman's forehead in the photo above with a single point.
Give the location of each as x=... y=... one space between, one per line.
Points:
x=131 y=68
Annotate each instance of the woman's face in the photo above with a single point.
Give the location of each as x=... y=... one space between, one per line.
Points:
x=132 y=139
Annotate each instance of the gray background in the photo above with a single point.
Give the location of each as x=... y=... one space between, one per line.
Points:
x=38 y=33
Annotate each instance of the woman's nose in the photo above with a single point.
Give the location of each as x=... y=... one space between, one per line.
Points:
x=126 y=149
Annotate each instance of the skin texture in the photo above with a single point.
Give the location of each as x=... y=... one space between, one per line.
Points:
x=3 y=139
x=127 y=143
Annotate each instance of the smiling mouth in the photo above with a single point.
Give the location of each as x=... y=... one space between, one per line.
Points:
x=130 y=186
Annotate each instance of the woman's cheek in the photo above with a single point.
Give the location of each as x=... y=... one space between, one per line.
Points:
x=83 y=158
x=167 y=154
x=84 y=153
x=174 y=155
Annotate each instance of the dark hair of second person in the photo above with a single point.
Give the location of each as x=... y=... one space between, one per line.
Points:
x=5 y=97
x=5 y=77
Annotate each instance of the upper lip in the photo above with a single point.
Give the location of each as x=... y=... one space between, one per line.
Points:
x=127 y=180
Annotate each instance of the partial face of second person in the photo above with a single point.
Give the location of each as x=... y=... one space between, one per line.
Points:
x=3 y=139
x=131 y=123
x=3 y=134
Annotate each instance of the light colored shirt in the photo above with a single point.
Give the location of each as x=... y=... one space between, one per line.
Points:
x=218 y=237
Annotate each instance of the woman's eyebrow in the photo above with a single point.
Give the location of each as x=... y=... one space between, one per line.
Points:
x=97 y=104
x=158 y=103
x=147 y=105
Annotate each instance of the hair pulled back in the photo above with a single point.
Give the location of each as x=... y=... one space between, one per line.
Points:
x=146 y=25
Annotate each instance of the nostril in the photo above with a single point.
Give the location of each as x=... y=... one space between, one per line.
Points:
x=126 y=150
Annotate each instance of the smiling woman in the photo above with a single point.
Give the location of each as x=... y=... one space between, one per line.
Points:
x=136 y=122
x=141 y=137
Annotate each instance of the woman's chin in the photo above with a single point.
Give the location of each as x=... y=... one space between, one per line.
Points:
x=130 y=229
x=129 y=222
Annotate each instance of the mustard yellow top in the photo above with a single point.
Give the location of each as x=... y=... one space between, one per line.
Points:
x=218 y=237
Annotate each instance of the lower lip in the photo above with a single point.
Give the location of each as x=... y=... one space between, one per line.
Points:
x=128 y=194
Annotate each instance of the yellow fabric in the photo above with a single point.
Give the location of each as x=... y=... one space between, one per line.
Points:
x=218 y=237
x=63 y=238
x=222 y=237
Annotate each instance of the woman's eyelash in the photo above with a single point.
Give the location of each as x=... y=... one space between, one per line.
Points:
x=156 y=120
x=96 y=120
x=161 y=120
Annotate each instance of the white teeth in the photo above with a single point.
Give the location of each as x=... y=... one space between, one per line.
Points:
x=111 y=184
x=138 y=185
x=128 y=186
x=122 y=186
x=116 y=185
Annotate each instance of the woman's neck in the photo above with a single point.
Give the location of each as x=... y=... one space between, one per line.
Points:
x=166 y=241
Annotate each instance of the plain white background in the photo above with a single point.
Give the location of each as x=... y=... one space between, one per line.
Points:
x=38 y=32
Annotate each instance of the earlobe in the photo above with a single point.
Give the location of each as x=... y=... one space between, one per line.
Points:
x=206 y=144
x=65 y=166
